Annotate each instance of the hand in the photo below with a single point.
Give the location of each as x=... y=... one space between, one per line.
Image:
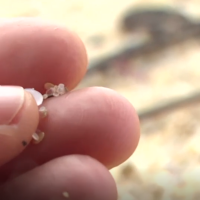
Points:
x=88 y=131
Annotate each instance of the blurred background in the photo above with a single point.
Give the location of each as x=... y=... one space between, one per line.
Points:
x=148 y=51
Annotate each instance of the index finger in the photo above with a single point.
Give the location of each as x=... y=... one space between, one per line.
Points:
x=34 y=52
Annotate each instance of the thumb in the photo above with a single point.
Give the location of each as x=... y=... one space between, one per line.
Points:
x=19 y=119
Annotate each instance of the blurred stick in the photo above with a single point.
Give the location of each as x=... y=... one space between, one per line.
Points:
x=169 y=106
x=125 y=51
x=132 y=49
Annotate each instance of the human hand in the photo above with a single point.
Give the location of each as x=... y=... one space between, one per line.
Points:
x=88 y=131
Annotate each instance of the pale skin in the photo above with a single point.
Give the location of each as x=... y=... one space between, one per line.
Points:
x=87 y=131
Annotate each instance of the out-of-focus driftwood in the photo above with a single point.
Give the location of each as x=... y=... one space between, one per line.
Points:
x=163 y=108
x=133 y=50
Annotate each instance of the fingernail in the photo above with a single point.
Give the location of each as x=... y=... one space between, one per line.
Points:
x=11 y=100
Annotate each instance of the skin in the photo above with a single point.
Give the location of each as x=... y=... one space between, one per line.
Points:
x=88 y=131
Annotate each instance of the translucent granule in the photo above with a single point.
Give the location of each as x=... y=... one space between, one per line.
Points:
x=66 y=194
x=37 y=95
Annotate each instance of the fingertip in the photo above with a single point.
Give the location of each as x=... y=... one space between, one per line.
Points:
x=125 y=125
x=99 y=122
x=75 y=177
x=16 y=135
x=41 y=51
